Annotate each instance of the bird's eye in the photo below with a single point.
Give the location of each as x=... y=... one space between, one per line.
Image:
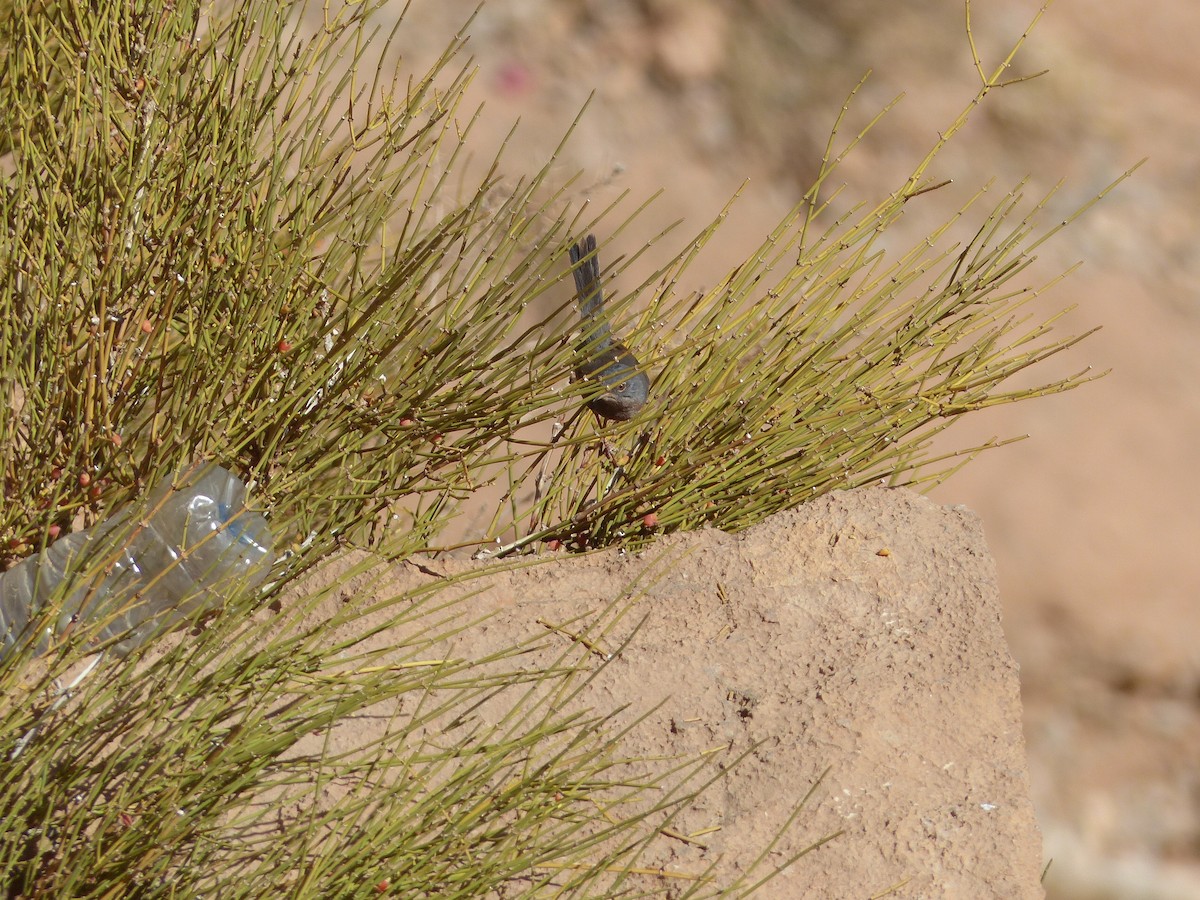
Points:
x=620 y=388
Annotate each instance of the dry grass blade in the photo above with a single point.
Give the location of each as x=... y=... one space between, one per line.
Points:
x=820 y=363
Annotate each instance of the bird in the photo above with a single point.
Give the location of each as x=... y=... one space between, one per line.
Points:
x=603 y=358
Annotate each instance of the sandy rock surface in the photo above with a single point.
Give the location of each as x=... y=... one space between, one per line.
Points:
x=859 y=635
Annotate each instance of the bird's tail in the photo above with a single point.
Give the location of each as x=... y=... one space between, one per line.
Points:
x=587 y=278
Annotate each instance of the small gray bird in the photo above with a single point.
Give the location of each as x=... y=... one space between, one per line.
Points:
x=604 y=358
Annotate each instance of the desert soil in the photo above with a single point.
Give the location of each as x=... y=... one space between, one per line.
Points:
x=851 y=647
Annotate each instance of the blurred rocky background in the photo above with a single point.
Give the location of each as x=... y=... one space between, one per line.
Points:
x=1093 y=518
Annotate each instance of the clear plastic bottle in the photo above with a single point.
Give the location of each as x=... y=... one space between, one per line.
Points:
x=143 y=571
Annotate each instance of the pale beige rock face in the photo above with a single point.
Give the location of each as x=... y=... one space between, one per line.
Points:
x=859 y=634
